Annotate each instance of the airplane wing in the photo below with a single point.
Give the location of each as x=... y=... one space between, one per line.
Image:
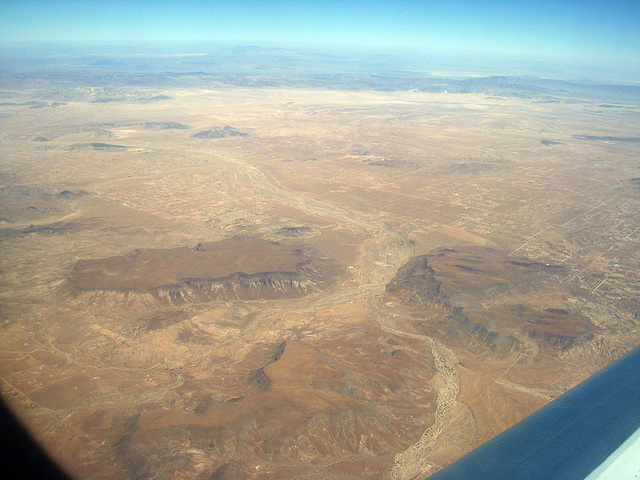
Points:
x=591 y=432
x=21 y=457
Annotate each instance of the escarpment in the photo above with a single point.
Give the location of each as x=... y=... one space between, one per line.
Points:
x=486 y=301
x=231 y=269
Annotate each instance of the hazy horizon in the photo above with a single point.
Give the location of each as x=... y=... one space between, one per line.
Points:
x=572 y=40
x=296 y=59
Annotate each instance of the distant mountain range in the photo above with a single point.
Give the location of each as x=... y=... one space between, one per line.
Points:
x=58 y=69
x=251 y=60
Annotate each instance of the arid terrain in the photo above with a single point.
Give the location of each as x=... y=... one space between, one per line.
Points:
x=248 y=279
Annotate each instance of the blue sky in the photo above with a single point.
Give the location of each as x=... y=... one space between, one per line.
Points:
x=583 y=30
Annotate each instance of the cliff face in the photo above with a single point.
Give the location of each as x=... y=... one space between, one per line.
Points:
x=267 y=285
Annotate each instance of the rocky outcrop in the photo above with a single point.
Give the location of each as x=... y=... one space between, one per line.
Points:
x=98 y=146
x=415 y=283
x=165 y=126
x=220 y=132
x=294 y=232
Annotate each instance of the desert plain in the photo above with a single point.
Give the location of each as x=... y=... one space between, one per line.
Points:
x=227 y=281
